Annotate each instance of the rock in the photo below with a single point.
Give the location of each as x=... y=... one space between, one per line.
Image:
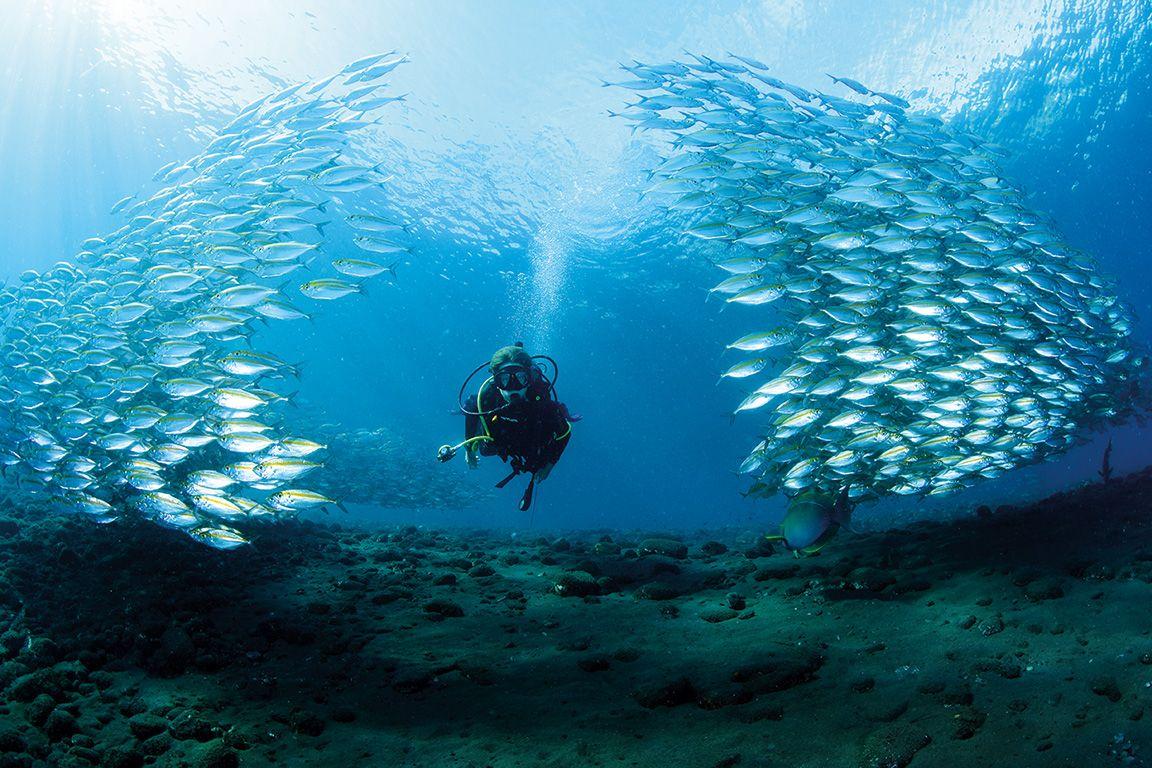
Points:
x=383 y=597
x=992 y=626
x=886 y=711
x=576 y=584
x=581 y=643
x=60 y=725
x=736 y=601
x=777 y=673
x=174 y=654
x=1048 y=589
x=892 y=747
x=968 y=722
x=157 y=745
x=388 y=555
x=673 y=694
x=11 y=740
x=717 y=615
x=772 y=572
x=11 y=643
x=102 y=680
x=445 y=580
x=481 y=571
x=187 y=725
x=597 y=663
x=443 y=609
x=713 y=548
x=216 y=754
x=38 y=709
x=932 y=686
x=1107 y=687
x=237 y=738
x=146 y=725
x=412 y=680
x=1006 y=669
x=863 y=684
x=343 y=715
x=762 y=548
x=1025 y=576
x=1100 y=572
x=476 y=670
x=10 y=670
x=133 y=706
x=722 y=695
x=588 y=566
x=626 y=655
x=52 y=681
x=118 y=757
x=307 y=723
x=677 y=550
x=957 y=695
x=657 y=590
x=755 y=714
x=913 y=585
x=870 y=579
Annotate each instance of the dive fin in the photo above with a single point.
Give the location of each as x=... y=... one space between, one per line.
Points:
x=526 y=499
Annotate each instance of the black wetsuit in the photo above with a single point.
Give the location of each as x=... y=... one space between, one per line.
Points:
x=530 y=434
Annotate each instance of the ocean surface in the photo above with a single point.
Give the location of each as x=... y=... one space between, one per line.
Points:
x=521 y=201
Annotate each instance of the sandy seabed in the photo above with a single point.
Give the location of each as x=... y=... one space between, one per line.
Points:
x=1017 y=637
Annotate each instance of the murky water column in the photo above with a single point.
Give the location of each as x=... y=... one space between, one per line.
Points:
x=540 y=293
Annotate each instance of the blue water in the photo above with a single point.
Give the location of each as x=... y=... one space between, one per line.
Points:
x=531 y=226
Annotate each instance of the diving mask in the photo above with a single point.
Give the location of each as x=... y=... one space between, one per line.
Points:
x=512 y=378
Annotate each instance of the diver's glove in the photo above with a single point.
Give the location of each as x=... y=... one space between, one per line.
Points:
x=472 y=457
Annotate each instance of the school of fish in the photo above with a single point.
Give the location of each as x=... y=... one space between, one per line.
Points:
x=127 y=377
x=932 y=330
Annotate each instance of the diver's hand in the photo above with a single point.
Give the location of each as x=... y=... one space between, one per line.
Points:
x=472 y=458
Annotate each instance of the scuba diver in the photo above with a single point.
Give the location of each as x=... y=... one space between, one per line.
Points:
x=515 y=415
